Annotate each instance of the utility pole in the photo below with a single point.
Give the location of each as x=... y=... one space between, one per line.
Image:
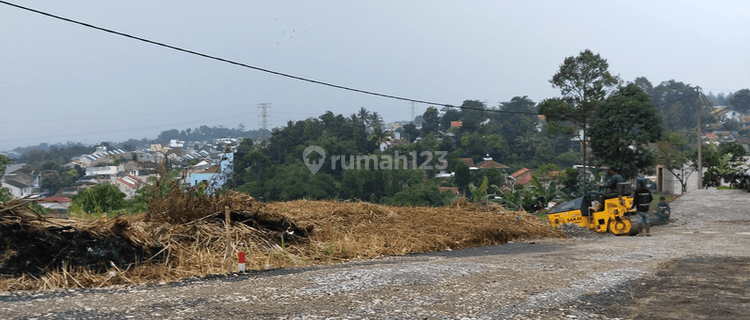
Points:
x=264 y=118
x=700 y=138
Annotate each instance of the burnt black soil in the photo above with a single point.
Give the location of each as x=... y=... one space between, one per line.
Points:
x=34 y=251
x=694 y=288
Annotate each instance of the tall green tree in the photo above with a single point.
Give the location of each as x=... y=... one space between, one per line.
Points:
x=246 y=145
x=361 y=116
x=568 y=159
x=584 y=82
x=644 y=84
x=626 y=123
x=378 y=135
x=472 y=111
x=740 y=101
x=449 y=115
x=476 y=145
x=431 y=121
x=374 y=119
x=518 y=126
x=462 y=177
x=410 y=132
x=253 y=166
x=736 y=150
x=676 y=102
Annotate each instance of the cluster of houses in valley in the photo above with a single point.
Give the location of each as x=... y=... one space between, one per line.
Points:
x=516 y=179
x=718 y=132
x=211 y=164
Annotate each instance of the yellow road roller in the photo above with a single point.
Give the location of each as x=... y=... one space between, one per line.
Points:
x=613 y=215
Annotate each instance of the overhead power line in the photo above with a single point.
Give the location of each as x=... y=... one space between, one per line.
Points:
x=161 y=44
x=244 y=65
x=168 y=46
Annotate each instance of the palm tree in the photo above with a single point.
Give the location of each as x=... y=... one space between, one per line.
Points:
x=363 y=115
x=374 y=119
x=379 y=135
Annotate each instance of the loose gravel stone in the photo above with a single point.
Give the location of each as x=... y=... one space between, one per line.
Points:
x=575 y=231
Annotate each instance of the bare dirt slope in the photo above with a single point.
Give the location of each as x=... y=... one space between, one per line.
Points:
x=694 y=267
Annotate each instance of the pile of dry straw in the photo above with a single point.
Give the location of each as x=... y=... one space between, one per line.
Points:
x=185 y=236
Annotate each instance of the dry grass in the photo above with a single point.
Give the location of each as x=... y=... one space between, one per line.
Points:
x=187 y=236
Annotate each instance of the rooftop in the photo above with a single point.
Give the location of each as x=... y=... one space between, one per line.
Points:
x=16 y=184
x=489 y=164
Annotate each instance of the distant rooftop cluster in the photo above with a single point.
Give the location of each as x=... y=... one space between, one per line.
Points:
x=95 y=156
x=129 y=170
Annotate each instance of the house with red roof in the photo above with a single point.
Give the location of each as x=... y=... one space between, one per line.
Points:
x=129 y=184
x=521 y=177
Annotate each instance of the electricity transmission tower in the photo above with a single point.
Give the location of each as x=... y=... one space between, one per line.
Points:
x=264 y=118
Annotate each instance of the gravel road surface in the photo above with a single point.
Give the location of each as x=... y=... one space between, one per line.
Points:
x=694 y=267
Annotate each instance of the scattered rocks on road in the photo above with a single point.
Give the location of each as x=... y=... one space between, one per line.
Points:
x=575 y=231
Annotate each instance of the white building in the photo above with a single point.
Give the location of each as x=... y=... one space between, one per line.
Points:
x=18 y=189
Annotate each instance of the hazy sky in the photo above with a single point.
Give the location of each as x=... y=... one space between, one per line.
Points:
x=63 y=82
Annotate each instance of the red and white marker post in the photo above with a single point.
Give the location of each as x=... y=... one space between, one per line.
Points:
x=241 y=264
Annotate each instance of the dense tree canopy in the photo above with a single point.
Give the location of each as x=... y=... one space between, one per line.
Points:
x=740 y=101
x=472 y=112
x=626 y=122
x=676 y=102
x=246 y=145
x=644 y=84
x=294 y=180
x=449 y=116
x=374 y=185
x=431 y=118
x=518 y=126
